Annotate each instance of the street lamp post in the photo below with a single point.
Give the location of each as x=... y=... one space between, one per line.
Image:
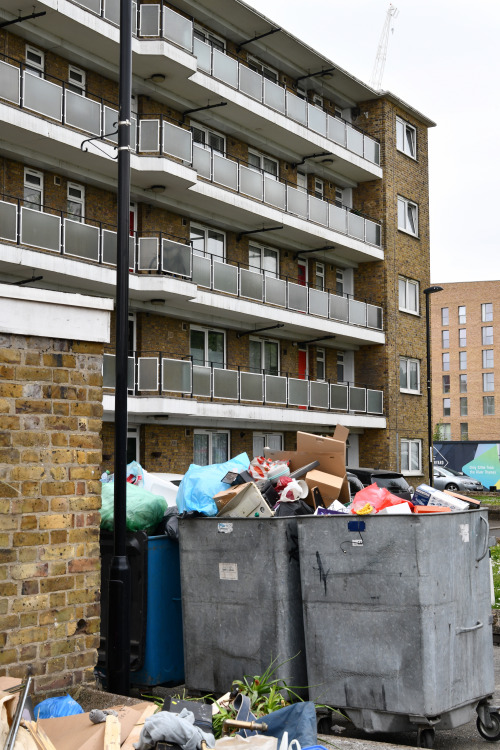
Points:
x=430 y=290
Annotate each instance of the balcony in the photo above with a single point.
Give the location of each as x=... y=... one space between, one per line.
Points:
x=155 y=374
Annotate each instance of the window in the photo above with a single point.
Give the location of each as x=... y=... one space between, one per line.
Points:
x=488 y=381
x=339 y=197
x=302 y=182
x=265 y=71
x=319 y=188
x=132 y=444
x=33 y=189
x=463 y=383
x=486 y=312
x=446 y=407
x=411 y=456
x=341 y=367
x=75 y=205
x=406 y=138
x=409 y=375
x=408 y=295
x=444 y=431
x=265 y=259
x=207 y=347
x=339 y=282
x=320 y=364
x=76 y=80
x=210 y=447
x=462 y=315
x=464 y=431
x=407 y=216
x=272 y=440
x=445 y=339
x=320 y=276
x=445 y=316
x=446 y=361
x=207 y=241
x=264 y=356
x=209 y=139
x=206 y=36
x=462 y=360
x=35 y=61
x=488 y=358
x=487 y=335
x=462 y=336
x=488 y=405
x=446 y=383
x=263 y=163
x=463 y=406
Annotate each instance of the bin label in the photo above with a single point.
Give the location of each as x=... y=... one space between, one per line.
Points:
x=224 y=528
x=464 y=532
x=228 y=571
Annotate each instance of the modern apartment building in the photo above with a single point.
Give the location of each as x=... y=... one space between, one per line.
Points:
x=279 y=227
x=465 y=337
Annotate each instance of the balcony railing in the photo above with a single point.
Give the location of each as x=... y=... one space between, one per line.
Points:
x=153 y=373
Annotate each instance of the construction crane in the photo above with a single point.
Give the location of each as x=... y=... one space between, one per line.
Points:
x=379 y=65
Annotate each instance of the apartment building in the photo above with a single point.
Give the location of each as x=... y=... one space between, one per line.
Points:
x=464 y=349
x=279 y=227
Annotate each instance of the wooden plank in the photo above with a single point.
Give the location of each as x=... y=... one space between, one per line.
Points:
x=112 y=733
x=136 y=731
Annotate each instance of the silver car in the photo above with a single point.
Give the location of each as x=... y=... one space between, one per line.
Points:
x=448 y=480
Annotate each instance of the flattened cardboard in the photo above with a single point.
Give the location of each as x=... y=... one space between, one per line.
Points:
x=472 y=502
x=328 y=484
x=335 y=447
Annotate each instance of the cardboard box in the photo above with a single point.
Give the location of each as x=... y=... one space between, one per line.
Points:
x=242 y=501
x=430 y=496
x=328 y=484
x=401 y=509
x=472 y=502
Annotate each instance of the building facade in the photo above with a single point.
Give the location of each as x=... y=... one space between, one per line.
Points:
x=464 y=349
x=279 y=228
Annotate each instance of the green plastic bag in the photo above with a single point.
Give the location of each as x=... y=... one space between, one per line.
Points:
x=144 y=510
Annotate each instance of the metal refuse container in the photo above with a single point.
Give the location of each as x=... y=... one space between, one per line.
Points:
x=397 y=620
x=241 y=603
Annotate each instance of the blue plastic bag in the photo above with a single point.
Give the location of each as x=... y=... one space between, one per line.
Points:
x=201 y=483
x=298 y=720
x=54 y=708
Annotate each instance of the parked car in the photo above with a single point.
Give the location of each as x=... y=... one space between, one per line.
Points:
x=392 y=480
x=444 y=479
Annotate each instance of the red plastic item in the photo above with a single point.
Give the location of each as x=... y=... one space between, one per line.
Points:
x=377 y=497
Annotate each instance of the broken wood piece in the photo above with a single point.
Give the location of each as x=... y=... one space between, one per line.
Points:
x=136 y=731
x=112 y=733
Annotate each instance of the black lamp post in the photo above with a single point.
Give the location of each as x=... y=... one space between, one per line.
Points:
x=430 y=290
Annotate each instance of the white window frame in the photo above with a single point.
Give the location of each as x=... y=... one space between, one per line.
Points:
x=261 y=267
x=317 y=100
x=462 y=315
x=206 y=230
x=488 y=406
x=319 y=188
x=320 y=276
x=77 y=200
x=404 y=307
x=462 y=382
x=411 y=444
x=265 y=436
x=445 y=431
x=407 y=145
x=445 y=361
x=321 y=358
x=446 y=385
x=339 y=282
x=407 y=214
x=484 y=335
x=341 y=363
x=445 y=316
x=408 y=362
x=261 y=168
x=34 y=67
x=462 y=359
x=486 y=354
x=262 y=343
x=488 y=382
x=339 y=196
x=209 y=37
x=487 y=314
x=446 y=407
x=207 y=132
x=32 y=185
x=210 y=434
x=206 y=331
x=462 y=337
x=464 y=406
x=77 y=86
x=263 y=69
x=445 y=339
x=302 y=181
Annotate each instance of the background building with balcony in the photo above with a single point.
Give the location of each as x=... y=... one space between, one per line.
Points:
x=279 y=229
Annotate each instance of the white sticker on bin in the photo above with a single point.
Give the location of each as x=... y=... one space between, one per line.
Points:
x=464 y=532
x=225 y=528
x=228 y=571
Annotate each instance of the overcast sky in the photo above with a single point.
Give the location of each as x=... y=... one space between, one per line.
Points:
x=443 y=59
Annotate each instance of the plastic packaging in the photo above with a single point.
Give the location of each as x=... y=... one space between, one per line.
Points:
x=265 y=468
x=371 y=499
x=144 y=510
x=201 y=483
x=54 y=708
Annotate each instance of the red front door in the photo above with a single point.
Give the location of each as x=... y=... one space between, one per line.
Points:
x=302 y=274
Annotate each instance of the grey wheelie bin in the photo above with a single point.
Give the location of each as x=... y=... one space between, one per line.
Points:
x=397 y=620
x=241 y=603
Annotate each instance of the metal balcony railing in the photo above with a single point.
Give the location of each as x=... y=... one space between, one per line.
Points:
x=154 y=373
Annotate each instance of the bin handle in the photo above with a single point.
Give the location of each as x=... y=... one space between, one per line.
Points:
x=483 y=519
x=469 y=630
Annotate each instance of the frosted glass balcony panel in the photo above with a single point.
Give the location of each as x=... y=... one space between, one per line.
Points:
x=275 y=389
x=252 y=284
x=131 y=253
x=336 y=130
x=275 y=291
x=373 y=232
x=109 y=247
x=339 y=308
x=111 y=124
x=148 y=374
x=357 y=398
x=375 y=402
x=82 y=113
x=202 y=161
x=339 y=397
x=298 y=392
x=42 y=96
x=250 y=83
x=225 y=68
x=112 y=11
x=371 y=149
x=296 y=108
x=131 y=373
x=251 y=387
x=177 y=28
x=9 y=82
x=225 y=172
x=134 y=17
x=296 y=201
x=357 y=312
x=318 y=210
x=201 y=271
x=81 y=240
x=297 y=297
x=318 y=302
x=251 y=183
x=374 y=317
x=93 y=5
x=148 y=254
x=274 y=193
x=40 y=230
x=177 y=142
x=318 y=395
x=225 y=383
x=354 y=140
x=133 y=133
x=274 y=96
x=8 y=221
x=225 y=278
x=337 y=218
x=176 y=258
x=176 y=375
x=316 y=119
x=149 y=134
x=356 y=226
x=203 y=53
x=202 y=381
x=109 y=371
x=149 y=20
